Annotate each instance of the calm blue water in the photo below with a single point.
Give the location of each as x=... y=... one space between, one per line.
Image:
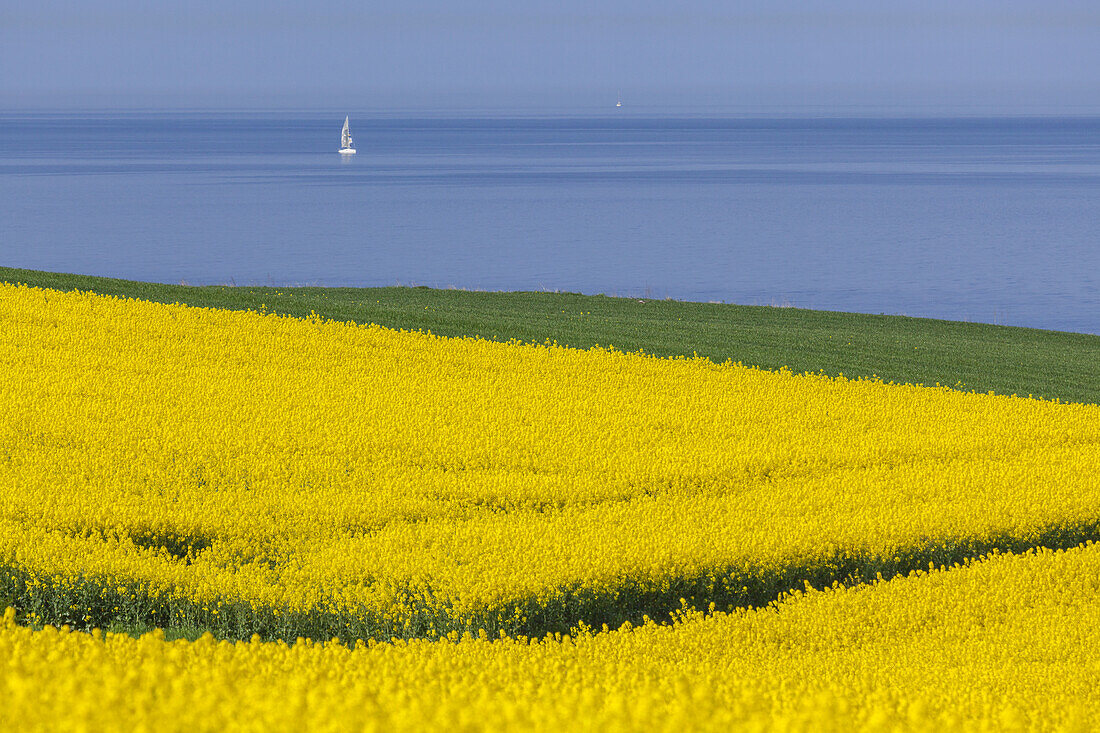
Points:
x=994 y=220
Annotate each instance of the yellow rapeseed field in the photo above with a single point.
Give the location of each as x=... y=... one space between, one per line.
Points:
x=247 y=472
x=1009 y=643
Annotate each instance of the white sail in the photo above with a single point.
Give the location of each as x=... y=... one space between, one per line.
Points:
x=346 y=143
x=345 y=135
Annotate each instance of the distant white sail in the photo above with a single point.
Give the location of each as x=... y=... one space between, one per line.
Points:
x=347 y=145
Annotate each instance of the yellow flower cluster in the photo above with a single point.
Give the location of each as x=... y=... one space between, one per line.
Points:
x=1008 y=643
x=255 y=473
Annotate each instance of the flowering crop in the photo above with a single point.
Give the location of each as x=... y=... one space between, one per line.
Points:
x=254 y=473
x=1008 y=643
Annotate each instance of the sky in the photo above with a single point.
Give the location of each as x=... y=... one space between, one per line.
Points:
x=772 y=55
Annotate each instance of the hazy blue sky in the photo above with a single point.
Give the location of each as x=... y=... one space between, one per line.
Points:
x=570 y=54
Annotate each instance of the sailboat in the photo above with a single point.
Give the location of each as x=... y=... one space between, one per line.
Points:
x=619 y=103
x=346 y=143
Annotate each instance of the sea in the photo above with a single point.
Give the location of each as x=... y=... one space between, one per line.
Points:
x=993 y=220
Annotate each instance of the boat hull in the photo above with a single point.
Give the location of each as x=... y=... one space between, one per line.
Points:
x=347 y=151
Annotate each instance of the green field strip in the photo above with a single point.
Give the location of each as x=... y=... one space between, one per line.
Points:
x=968 y=356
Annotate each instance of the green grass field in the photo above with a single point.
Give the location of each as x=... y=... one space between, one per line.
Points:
x=969 y=356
